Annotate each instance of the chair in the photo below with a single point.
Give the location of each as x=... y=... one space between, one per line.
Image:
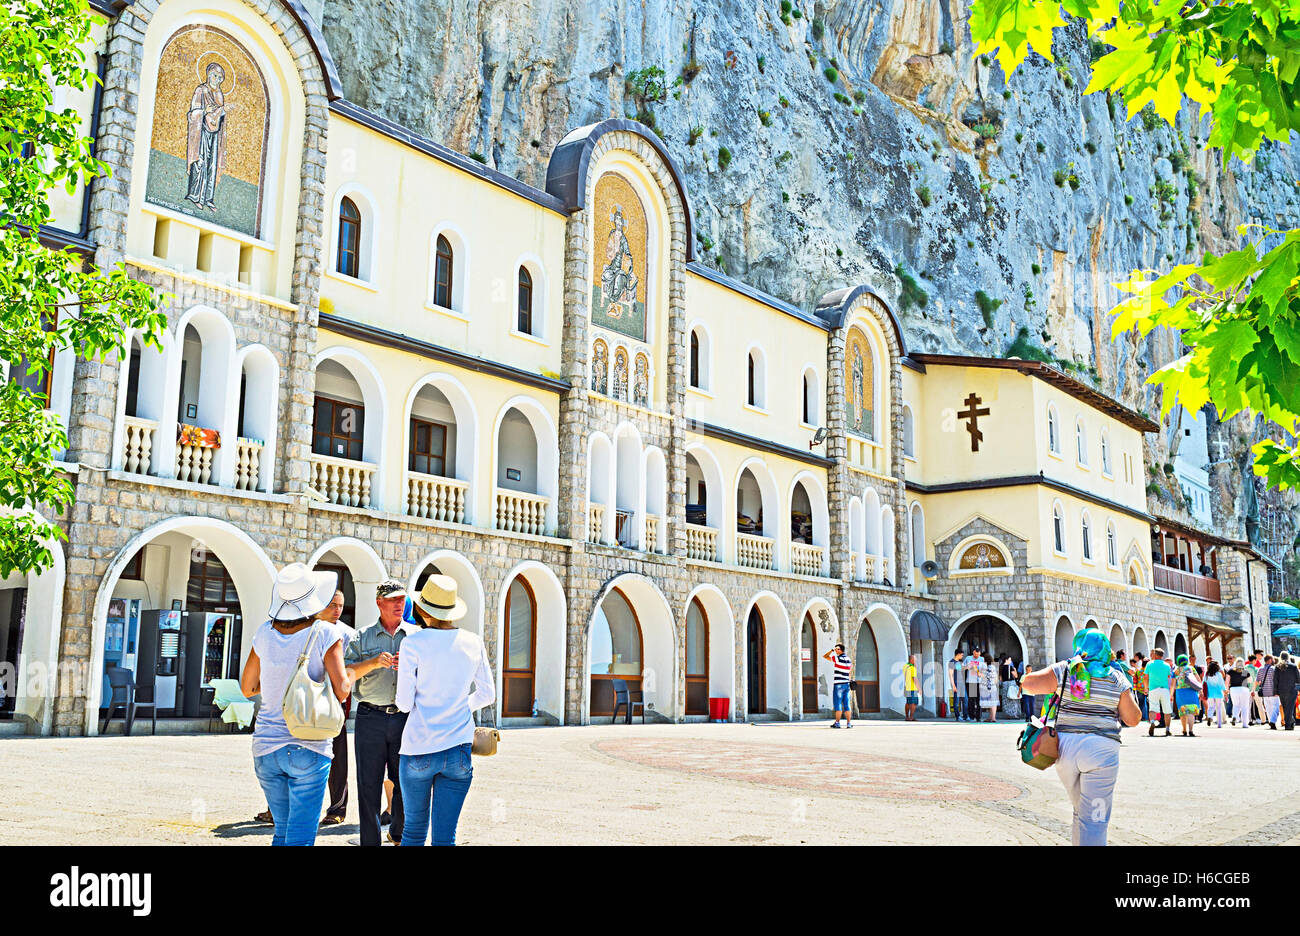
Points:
x=624 y=696
x=122 y=683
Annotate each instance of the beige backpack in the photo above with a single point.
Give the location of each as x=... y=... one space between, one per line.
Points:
x=311 y=710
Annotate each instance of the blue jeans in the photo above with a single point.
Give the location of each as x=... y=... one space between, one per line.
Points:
x=294 y=780
x=840 y=698
x=958 y=706
x=435 y=783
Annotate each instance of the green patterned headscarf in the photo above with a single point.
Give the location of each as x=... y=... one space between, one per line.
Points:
x=1093 y=647
x=1182 y=659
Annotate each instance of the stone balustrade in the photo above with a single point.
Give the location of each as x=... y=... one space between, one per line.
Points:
x=194 y=462
x=341 y=480
x=595 y=522
x=434 y=497
x=519 y=512
x=654 y=538
x=701 y=543
x=248 y=464
x=754 y=552
x=806 y=559
x=137 y=458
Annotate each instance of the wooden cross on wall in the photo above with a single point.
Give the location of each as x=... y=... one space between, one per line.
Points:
x=971 y=414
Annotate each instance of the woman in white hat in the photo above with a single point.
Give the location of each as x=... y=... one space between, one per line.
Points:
x=293 y=772
x=444 y=677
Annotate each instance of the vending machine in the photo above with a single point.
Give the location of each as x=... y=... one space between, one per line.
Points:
x=211 y=643
x=160 y=633
x=121 y=636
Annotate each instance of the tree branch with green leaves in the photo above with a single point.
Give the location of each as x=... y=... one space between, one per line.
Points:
x=1239 y=314
x=50 y=300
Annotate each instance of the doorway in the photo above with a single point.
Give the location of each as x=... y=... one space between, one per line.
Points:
x=697 y=659
x=519 y=668
x=866 y=670
x=13 y=611
x=808 y=645
x=756 y=662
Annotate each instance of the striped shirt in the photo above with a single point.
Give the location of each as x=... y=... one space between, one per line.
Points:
x=843 y=668
x=1099 y=713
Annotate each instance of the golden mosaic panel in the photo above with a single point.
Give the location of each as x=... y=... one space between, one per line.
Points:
x=982 y=556
x=859 y=385
x=618 y=291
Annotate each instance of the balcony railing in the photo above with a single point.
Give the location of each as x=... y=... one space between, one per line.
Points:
x=701 y=543
x=1186 y=583
x=806 y=559
x=595 y=522
x=754 y=552
x=518 y=512
x=194 y=463
x=248 y=464
x=138 y=455
x=341 y=480
x=654 y=541
x=434 y=497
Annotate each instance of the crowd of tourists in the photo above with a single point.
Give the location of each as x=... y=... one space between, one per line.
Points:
x=414 y=721
x=980 y=683
x=1239 y=692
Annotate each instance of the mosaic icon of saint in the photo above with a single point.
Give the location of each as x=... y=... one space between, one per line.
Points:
x=600 y=369
x=982 y=560
x=205 y=140
x=857 y=389
x=618 y=279
x=641 y=384
x=620 y=375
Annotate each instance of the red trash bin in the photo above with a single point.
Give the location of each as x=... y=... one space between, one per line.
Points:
x=719 y=709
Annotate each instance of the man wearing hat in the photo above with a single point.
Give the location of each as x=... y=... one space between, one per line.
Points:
x=377 y=735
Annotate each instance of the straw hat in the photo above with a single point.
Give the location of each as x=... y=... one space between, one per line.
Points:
x=439 y=600
x=299 y=592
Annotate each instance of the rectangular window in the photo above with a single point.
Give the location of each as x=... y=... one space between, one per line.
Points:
x=428 y=447
x=38 y=383
x=338 y=429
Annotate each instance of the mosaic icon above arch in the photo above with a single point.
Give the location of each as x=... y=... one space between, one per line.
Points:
x=207 y=156
x=618 y=292
x=859 y=385
x=982 y=556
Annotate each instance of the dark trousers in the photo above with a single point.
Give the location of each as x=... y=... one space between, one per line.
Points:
x=378 y=740
x=339 y=775
x=973 y=701
x=1288 y=709
x=958 y=706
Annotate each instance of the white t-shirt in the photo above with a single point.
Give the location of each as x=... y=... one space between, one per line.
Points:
x=443 y=677
x=278 y=653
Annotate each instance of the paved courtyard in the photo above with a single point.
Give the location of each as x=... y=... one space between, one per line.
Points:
x=884 y=782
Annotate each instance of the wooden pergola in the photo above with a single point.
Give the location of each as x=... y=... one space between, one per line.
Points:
x=1208 y=632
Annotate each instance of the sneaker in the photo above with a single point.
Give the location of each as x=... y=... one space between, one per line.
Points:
x=836 y=725
x=848 y=724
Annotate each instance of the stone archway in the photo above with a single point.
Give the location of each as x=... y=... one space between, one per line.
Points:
x=630 y=618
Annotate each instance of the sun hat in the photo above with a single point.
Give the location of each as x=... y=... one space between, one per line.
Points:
x=298 y=592
x=439 y=600
x=389 y=588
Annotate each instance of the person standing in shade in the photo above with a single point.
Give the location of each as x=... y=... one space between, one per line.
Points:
x=974 y=670
x=989 y=687
x=444 y=678
x=1215 y=687
x=1098 y=698
x=1026 y=699
x=1160 y=691
x=957 y=685
x=1008 y=676
x=338 y=799
x=1286 y=680
x=377 y=735
x=840 y=700
x=293 y=772
x=911 y=688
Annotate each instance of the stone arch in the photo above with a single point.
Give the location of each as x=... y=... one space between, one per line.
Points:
x=819 y=511
x=891 y=652
x=551 y=637
x=825 y=640
x=1063 y=637
x=1117 y=639
x=778 y=675
x=367 y=571
x=465 y=467
x=543 y=426
x=36 y=680
x=250 y=569
x=659 y=644
x=716 y=495
x=722 y=646
x=468 y=585
x=871 y=532
x=260 y=374
x=1140 y=643
x=959 y=627
x=600 y=485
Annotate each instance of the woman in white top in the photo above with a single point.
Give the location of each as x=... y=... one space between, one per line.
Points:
x=444 y=677
x=293 y=772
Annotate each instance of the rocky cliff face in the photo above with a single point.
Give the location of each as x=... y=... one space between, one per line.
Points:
x=847 y=141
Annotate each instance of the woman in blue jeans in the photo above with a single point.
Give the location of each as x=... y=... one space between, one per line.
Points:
x=444 y=677
x=293 y=772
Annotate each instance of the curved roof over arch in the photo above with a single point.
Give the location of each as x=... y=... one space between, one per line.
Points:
x=835 y=306
x=566 y=173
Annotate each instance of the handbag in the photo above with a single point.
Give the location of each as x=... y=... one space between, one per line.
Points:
x=485 y=741
x=311 y=710
x=1039 y=745
x=1014 y=693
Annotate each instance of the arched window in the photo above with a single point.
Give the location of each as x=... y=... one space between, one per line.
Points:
x=349 y=254
x=750 y=398
x=1105 y=453
x=757 y=387
x=1112 y=550
x=1053 y=430
x=1081 y=442
x=1085 y=526
x=442 y=273
x=810 y=416
x=909 y=444
x=695 y=359
x=525 y=323
x=1058 y=528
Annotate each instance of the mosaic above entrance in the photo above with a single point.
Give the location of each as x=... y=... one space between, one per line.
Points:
x=618 y=291
x=859 y=385
x=982 y=556
x=207 y=157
